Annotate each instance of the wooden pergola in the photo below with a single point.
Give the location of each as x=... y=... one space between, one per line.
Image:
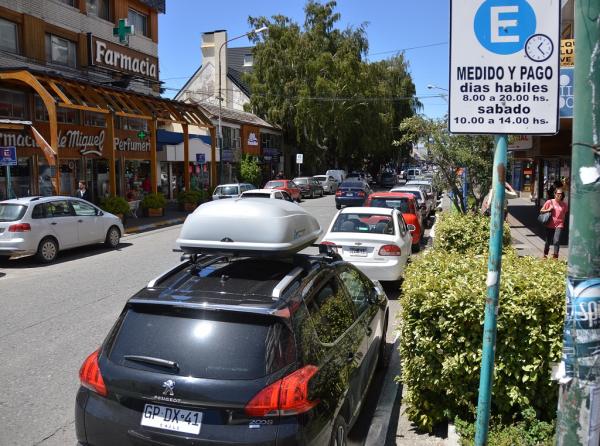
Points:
x=56 y=91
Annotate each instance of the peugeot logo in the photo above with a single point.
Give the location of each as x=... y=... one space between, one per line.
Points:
x=168 y=385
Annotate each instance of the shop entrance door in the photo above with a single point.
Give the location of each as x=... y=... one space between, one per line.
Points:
x=97 y=181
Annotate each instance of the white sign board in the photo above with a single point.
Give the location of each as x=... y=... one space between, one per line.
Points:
x=299 y=158
x=504 y=66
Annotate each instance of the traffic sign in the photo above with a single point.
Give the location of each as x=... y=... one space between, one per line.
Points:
x=504 y=66
x=8 y=156
x=200 y=158
x=299 y=158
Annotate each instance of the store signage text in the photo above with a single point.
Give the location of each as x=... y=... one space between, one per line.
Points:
x=252 y=139
x=504 y=67
x=116 y=57
x=87 y=144
x=567 y=52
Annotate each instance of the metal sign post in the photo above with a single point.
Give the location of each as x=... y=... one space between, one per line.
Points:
x=299 y=161
x=504 y=79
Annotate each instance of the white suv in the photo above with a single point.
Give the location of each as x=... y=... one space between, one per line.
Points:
x=42 y=226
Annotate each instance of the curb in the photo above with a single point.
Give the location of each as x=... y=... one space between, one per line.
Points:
x=380 y=423
x=149 y=226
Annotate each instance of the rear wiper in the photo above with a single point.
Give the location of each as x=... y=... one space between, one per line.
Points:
x=154 y=361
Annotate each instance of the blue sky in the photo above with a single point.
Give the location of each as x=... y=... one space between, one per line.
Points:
x=418 y=26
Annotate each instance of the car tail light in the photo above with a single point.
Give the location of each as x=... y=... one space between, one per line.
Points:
x=390 y=250
x=287 y=396
x=332 y=246
x=90 y=375
x=20 y=227
x=361 y=194
x=338 y=193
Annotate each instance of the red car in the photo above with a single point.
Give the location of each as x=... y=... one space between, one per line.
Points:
x=287 y=185
x=406 y=204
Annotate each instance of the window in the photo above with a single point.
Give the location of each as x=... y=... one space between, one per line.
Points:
x=358 y=287
x=331 y=312
x=63 y=115
x=93 y=119
x=13 y=104
x=61 y=51
x=72 y=3
x=59 y=209
x=139 y=22
x=82 y=209
x=231 y=138
x=270 y=141
x=135 y=124
x=8 y=36
x=248 y=60
x=99 y=8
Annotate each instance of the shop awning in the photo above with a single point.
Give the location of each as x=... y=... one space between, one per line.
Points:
x=166 y=137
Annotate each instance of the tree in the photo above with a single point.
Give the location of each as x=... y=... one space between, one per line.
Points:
x=250 y=170
x=314 y=82
x=450 y=152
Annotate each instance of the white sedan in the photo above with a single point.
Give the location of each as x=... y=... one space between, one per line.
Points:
x=376 y=240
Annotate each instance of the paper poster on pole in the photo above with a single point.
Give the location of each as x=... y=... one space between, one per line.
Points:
x=504 y=66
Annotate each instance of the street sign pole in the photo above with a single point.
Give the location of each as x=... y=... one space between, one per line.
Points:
x=578 y=421
x=8 y=183
x=486 y=378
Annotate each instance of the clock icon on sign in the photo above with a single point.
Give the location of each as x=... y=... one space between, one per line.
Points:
x=539 y=47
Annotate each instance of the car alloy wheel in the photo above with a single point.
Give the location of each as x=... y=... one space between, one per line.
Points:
x=113 y=237
x=47 y=250
x=339 y=434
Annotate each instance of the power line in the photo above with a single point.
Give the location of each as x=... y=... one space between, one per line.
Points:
x=407 y=49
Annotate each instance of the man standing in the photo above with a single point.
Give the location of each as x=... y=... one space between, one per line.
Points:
x=82 y=192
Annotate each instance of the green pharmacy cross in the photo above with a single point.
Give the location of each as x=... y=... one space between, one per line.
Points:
x=123 y=30
x=142 y=134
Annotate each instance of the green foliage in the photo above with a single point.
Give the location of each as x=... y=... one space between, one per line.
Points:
x=250 y=170
x=527 y=431
x=466 y=233
x=153 y=201
x=441 y=326
x=314 y=82
x=192 y=196
x=115 y=205
x=448 y=151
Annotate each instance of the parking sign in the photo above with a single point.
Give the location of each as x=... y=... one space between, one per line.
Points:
x=8 y=156
x=504 y=66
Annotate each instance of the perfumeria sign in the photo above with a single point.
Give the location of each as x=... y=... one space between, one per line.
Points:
x=120 y=58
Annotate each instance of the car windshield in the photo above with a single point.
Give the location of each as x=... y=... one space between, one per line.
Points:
x=301 y=180
x=204 y=344
x=364 y=223
x=12 y=212
x=272 y=184
x=227 y=190
x=395 y=203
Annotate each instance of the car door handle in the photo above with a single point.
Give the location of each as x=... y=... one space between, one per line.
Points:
x=53 y=223
x=350 y=357
x=80 y=221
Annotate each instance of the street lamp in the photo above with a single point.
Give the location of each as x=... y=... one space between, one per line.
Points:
x=220 y=97
x=435 y=87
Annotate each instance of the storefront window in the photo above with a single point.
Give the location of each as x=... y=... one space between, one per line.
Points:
x=13 y=104
x=135 y=124
x=70 y=174
x=94 y=119
x=63 y=115
x=137 y=179
x=270 y=141
x=20 y=180
x=46 y=177
x=8 y=36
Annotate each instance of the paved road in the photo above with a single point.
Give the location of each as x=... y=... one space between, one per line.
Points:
x=54 y=316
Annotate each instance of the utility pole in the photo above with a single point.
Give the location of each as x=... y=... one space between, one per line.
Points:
x=579 y=398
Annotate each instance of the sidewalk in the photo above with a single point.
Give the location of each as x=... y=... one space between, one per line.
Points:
x=172 y=216
x=527 y=233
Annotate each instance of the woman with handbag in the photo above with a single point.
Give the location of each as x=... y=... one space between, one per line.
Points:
x=557 y=209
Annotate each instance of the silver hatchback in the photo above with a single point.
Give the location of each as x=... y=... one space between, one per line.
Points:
x=42 y=226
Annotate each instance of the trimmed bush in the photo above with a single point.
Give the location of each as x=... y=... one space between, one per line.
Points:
x=153 y=201
x=465 y=233
x=441 y=327
x=115 y=205
x=191 y=196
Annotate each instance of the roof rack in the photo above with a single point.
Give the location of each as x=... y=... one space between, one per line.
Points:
x=285 y=282
x=193 y=260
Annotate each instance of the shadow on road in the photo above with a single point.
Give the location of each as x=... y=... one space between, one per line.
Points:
x=63 y=256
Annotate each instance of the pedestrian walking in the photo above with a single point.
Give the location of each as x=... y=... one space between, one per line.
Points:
x=558 y=209
x=82 y=192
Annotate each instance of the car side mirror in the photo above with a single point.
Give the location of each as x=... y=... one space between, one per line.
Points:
x=411 y=228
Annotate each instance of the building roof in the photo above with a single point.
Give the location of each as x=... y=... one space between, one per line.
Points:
x=229 y=114
x=159 y=5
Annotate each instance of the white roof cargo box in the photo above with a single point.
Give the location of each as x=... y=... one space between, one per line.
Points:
x=250 y=226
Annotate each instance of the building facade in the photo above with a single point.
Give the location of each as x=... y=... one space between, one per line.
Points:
x=79 y=97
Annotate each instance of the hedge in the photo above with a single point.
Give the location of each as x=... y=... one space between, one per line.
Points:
x=441 y=327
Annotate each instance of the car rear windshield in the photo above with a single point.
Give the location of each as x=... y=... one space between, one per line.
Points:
x=271 y=184
x=352 y=184
x=255 y=195
x=416 y=193
x=12 y=212
x=301 y=180
x=227 y=190
x=204 y=344
x=395 y=203
x=364 y=223
x=320 y=178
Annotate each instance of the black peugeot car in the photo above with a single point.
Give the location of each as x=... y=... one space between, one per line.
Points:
x=237 y=351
